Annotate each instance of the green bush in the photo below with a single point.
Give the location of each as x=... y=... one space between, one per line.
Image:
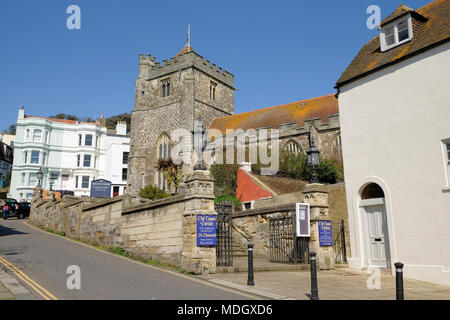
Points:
x=237 y=204
x=226 y=179
x=153 y=193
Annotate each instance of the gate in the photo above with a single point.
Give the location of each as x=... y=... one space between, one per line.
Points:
x=284 y=246
x=339 y=245
x=224 y=247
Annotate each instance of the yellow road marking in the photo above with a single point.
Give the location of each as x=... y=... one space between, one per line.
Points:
x=191 y=278
x=39 y=289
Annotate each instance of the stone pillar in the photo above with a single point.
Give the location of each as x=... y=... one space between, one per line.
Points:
x=199 y=195
x=316 y=195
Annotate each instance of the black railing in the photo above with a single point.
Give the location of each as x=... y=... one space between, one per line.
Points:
x=339 y=241
x=284 y=246
x=224 y=245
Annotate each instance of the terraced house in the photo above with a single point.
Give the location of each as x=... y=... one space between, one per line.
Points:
x=73 y=152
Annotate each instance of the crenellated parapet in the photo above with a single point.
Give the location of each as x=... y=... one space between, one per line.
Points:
x=149 y=69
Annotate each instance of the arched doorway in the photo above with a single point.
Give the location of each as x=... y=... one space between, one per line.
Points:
x=375 y=231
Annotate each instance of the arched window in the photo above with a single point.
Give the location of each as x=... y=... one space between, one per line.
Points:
x=336 y=147
x=163 y=150
x=293 y=147
x=372 y=191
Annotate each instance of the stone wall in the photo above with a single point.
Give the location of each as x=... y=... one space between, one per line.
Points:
x=163 y=230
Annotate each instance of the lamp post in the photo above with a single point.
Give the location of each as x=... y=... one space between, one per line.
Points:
x=40 y=176
x=52 y=181
x=313 y=160
x=199 y=145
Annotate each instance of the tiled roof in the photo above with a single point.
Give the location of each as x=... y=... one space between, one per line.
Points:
x=432 y=27
x=247 y=189
x=186 y=49
x=299 y=111
x=63 y=120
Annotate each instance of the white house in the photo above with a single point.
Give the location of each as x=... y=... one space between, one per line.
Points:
x=394 y=102
x=75 y=153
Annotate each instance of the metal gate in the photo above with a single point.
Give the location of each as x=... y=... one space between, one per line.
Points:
x=224 y=247
x=284 y=246
x=339 y=245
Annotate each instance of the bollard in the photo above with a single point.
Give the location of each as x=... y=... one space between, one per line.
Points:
x=399 y=281
x=250 y=281
x=314 y=287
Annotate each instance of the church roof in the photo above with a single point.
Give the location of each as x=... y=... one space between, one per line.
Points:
x=186 y=49
x=431 y=27
x=298 y=111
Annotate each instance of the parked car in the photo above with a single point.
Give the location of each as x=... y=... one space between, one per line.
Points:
x=20 y=210
x=24 y=210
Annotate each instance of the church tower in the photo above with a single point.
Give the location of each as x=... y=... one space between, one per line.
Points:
x=169 y=95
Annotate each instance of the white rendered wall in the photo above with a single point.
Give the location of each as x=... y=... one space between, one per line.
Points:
x=392 y=124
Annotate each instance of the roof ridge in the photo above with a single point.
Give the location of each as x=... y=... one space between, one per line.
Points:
x=278 y=106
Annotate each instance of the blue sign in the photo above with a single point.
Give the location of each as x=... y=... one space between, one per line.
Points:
x=325 y=234
x=100 y=188
x=206 y=230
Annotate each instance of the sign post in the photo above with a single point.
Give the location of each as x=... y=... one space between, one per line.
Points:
x=100 y=188
x=206 y=230
x=325 y=233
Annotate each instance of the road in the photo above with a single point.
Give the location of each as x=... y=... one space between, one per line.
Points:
x=41 y=261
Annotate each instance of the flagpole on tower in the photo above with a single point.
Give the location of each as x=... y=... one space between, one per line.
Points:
x=189 y=37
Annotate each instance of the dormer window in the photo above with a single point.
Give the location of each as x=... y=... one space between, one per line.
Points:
x=395 y=33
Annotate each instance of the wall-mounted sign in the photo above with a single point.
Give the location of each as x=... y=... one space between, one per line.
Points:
x=302 y=224
x=206 y=230
x=325 y=234
x=100 y=188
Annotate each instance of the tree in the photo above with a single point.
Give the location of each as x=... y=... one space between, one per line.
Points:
x=10 y=130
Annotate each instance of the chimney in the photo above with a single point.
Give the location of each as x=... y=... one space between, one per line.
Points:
x=21 y=113
x=121 y=128
x=247 y=166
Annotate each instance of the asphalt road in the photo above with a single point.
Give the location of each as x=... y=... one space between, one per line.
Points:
x=44 y=258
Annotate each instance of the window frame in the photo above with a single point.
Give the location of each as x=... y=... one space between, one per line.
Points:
x=394 y=24
x=33 y=139
x=125 y=158
x=38 y=157
x=84 y=160
x=86 y=139
x=32 y=174
x=83 y=182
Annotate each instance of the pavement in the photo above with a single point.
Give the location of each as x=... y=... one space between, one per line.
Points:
x=340 y=284
x=39 y=262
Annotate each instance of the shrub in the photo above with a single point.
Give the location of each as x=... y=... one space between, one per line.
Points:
x=153 y=193
x=237 y=204
x=226 y=179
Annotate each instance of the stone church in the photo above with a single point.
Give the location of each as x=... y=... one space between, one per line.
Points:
x=178 y=92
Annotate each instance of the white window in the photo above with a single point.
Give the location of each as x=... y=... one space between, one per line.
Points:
x=447 y=160
x=88 y=140
x=35 y=157
x=44 y=156
x=76 y=182
x=25 y=156
x=165 y=87
x=37 y=135
x=28 y=134
x=87 y=161
x=80 y=139
x=396 y=33
x=46 y=137
x=292 y=147
x=32 y=179
x=78 y=160
x=22 y=179
x=85 y=182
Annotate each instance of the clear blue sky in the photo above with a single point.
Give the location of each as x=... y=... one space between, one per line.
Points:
x=279 y=51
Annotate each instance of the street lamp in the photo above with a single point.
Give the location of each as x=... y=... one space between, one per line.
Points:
x=52 y=181
x=40 y=176
x=199 y=145
x=313 y=160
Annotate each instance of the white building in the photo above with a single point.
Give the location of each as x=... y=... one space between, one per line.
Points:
x=394 y=102
x=6 y=161
x=74 y=152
